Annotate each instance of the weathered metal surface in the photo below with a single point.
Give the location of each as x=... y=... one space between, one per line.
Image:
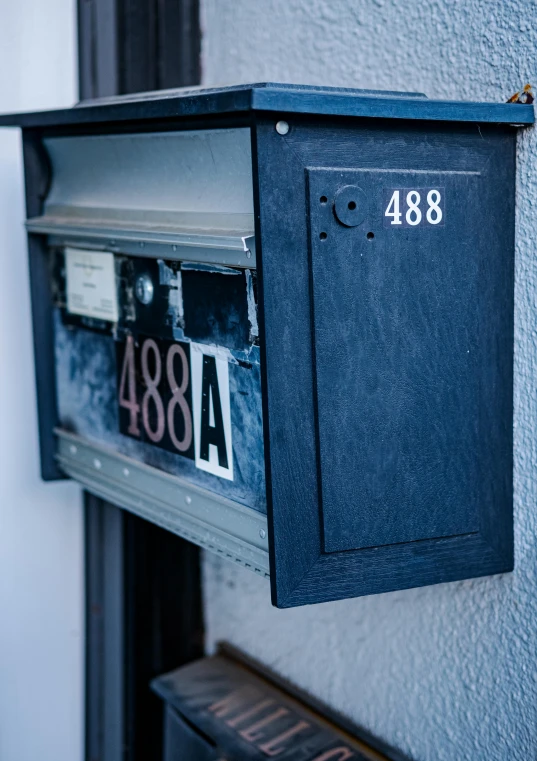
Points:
x=220 y=525
x=193 y=303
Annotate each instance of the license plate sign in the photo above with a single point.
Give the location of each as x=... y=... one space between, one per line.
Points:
x=175 y=395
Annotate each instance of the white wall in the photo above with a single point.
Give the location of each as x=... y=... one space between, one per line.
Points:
x=446 y=672
x=41 y=583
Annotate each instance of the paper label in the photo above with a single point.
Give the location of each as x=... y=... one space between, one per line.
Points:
x=91 y=284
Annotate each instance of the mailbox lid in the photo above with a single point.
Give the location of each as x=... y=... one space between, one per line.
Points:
x=179 y=194
x=187 y=103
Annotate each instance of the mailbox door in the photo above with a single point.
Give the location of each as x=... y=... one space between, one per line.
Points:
x=387 y=339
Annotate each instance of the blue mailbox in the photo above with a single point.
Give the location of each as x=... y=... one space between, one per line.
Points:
x=278 y=321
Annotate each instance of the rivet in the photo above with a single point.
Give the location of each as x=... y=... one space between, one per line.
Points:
x=282 y=128
x=262 y=533
x=144 y=289
x=126 y=472
x=248 y=254
x=188 y=500
x=174 y=247
x=97 y=464
x=73 y=449
x=142 y=244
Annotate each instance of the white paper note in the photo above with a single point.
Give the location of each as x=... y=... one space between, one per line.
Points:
x=91 y=284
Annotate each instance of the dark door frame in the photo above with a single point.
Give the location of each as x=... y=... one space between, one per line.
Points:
x=143 y=618
x=143 y=588
x=127 y=46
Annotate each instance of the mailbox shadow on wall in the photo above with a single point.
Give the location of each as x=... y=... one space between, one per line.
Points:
x=278 y=321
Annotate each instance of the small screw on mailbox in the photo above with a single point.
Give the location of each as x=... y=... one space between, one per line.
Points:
x=144 y=289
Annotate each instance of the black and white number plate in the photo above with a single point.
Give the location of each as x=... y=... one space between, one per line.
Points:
x=175 y=395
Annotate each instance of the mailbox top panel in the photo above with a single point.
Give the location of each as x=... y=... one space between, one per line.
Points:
x=282 y=98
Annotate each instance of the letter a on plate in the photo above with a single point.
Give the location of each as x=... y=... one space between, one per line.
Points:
x=212 y=411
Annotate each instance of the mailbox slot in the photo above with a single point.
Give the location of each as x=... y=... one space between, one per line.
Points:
x=170 y=195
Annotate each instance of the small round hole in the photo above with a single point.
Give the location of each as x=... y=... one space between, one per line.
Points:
x=351 y=205
x=370 y=236
x=323 y=236
x=323 y=199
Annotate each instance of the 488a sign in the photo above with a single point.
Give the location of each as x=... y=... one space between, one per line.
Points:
x=175 y=395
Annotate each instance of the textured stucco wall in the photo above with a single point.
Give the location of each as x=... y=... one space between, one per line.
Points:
x=445 y=672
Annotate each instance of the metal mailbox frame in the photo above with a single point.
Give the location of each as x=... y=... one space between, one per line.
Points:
x=322 y=122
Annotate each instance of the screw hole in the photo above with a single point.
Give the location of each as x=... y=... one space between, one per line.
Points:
x=370 y=236
x=323 y=199
x=351 y=205
x=323 y=236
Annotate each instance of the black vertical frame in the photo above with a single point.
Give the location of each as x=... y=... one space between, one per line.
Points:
x=144 y=617
x=143 y=588
x=105 y=614
x=128 y=46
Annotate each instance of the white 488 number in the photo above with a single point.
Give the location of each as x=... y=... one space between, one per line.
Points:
x=411 y=208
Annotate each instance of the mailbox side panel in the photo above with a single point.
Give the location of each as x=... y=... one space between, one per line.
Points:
x=37 y=180
x=431 y=500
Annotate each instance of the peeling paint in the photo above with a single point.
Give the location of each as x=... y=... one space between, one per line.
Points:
x=252 y=307
x=86 y=380
x=167 y=275
x=176 y=309
x=176 y=313
x=218 y=351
